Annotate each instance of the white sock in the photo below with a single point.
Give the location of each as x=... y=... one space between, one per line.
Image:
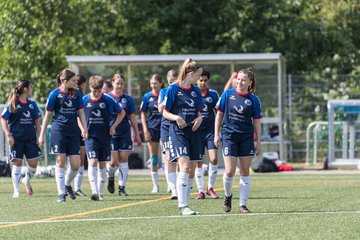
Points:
x=228 y=183
x=190 y=187
x=155 y=178
x=172 y=181
x=60 y=179
x=213 y=169
x=101 y=180
x=30 y=172
x=93 y=179
x=199 y=176
x=15 y=176
x=78 y=179
x=244 y=190
x=69 y=176
x=123 y=173
x=110 y=171
x=182 y=187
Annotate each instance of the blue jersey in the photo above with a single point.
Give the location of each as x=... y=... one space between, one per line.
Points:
x=22 y=123
x=164 y=121
x=98 y=113
x=184 y=102
x=210 y=99
x=239 y=111
x=150 y=102
x=126 y=104
x=65 y=108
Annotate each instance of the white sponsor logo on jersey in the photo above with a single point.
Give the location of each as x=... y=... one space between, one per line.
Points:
x=27 y=114
x=191 y=103
x=68 y=103
x=239 y=109
x=97 y=113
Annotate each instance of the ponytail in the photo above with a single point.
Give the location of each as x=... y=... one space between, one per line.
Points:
x=66 y=74
x=16 y=92
x=189 y=65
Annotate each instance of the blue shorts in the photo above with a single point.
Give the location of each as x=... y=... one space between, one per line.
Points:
x=164 y=136
x=184 y=143
x=207 y=139
x=61 y=144
x=238 y=144
x=29 y=148
x=155 y=135
x=122 y=143
x=99 y=150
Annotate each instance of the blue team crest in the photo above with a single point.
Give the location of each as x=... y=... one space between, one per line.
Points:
x=124 y=100
x=31 y=106
x=248 y=102
x=209 y=99
x=193 y=94
x=102 y=105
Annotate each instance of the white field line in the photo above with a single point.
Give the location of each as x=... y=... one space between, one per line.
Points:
x=178 y=216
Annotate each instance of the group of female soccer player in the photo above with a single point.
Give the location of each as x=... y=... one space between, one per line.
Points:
x=180 y=118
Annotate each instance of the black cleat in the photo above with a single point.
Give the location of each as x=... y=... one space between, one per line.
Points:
x=243 y=210
x=95 y=197
x=122 y=191
x=227 y=204
x=70 y=192
x=110 y=185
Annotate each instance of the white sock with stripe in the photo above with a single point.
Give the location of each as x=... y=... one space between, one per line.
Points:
x=228 y=183
x=60 y=179
x=213 y=169
x=199 y=178
x=244 y=189
x=15 y=176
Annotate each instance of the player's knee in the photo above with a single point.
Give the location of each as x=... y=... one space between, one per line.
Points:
x=154 y=160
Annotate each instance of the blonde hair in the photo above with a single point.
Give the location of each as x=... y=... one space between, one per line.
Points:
x=96 y=82
x=189 y=65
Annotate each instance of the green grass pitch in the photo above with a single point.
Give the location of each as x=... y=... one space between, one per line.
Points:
x=284 y=206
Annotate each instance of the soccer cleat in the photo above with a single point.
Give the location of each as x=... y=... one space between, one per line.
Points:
x=110 y=185
x=173 y=195
x=28 y=187
x=200 y=196
x=186 y=211
x=61 y=198
x=212 y=193
x=227 y=203
x=16 y=195
x=95 y=197
x=155 y=189
x=243 y=210
x=122 y=191
x=101 y=197
x=79 y=193
x=70 y=192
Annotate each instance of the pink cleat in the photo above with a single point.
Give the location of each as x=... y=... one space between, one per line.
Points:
x=212 y=193
x=200 y=196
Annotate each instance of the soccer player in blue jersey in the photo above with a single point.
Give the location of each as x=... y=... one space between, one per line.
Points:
x=206 y=129
x=20 y=121
x=170 y=167
x=121 y=142
x=151 y=126
x=81 y=85
x=67 y=104
x=239 y=113
x=98 y=109
x=183 y=103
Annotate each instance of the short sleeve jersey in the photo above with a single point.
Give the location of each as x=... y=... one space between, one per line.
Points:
x=184 y=102
x=22 y=122
x=126 y=104
x=161 y=99
x=210 y=99
x=239 y=111
x=65 y=108
x=150 y=103
x=98 y=113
